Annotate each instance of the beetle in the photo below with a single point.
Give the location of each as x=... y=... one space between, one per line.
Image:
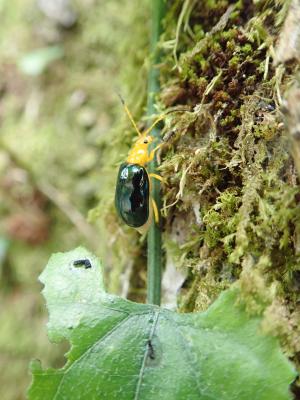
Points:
x=133 y=200
x=85 y=261
x=151 y=352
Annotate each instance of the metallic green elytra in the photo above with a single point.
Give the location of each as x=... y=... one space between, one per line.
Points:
x=132 y=194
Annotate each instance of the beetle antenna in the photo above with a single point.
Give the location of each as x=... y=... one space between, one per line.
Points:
x=160 y=118
x=129 y=115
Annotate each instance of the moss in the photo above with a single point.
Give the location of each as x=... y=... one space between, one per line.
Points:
x=229 y=157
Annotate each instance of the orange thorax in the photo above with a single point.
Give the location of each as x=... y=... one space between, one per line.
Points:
x=138 y=154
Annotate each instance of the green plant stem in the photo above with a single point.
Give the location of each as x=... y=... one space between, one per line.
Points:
x=154 y=234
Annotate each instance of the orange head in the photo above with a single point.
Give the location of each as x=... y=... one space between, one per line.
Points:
x=139 y=153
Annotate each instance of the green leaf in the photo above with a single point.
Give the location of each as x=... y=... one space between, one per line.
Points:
x=127 y=351
x=36 y=62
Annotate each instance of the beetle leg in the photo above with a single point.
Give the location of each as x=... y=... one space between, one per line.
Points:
x=155 y=210
x=152 y=152
x=158 y=177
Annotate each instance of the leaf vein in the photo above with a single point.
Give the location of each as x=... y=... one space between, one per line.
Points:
x=90 y=349
x=143 y=366
x=189 y=359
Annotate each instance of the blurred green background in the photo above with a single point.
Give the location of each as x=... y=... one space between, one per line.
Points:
x=62 y=133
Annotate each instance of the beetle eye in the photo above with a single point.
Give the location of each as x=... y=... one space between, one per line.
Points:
x=145 y=141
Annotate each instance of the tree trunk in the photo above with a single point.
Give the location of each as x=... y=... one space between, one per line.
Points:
x=231 y=196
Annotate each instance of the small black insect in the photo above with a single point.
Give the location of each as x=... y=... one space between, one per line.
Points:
x=169 y=135
x=150 y=350
x=86 y=262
